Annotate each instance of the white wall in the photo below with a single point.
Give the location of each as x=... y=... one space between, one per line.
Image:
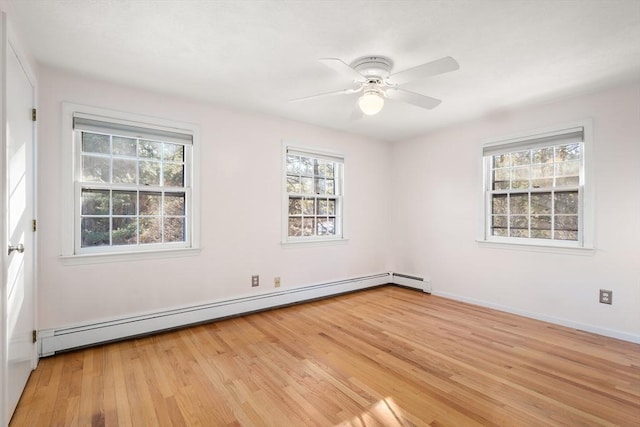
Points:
x=240 y=211
x=436 y=182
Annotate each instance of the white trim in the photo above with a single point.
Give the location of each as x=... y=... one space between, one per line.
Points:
x=536 y=247
x=60 y=339
x=625 y=336
x=102 y=258
x=4 y=348
x=70 y=164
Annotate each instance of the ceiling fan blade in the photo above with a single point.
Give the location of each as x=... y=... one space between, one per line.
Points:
x=341 y=68
x=439 y=66
x=325 y=94
x=413 y=98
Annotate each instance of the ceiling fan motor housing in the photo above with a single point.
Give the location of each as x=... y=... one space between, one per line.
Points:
x=373 y=67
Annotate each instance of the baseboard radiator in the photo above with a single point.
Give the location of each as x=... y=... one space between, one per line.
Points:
x=410 y=281
x=51 y=341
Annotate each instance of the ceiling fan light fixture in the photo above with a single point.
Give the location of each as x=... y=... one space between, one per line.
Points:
x=371 y=103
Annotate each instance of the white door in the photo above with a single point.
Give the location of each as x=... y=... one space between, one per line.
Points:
x=19 y=250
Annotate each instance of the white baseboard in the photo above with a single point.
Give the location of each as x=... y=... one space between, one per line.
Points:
x=556 y=320
x=54 y=340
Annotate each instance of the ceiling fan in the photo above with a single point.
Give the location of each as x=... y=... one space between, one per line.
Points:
x=375 y=81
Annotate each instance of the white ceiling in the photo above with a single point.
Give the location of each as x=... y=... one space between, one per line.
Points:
x=255 y=55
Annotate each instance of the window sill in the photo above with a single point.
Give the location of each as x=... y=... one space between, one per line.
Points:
x=101 y=258
x=314 y=243
x=537 y=248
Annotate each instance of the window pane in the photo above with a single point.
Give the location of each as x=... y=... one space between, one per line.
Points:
x=540 y=203
x=542 y=155
x=94 y=232
x=566 y=222
x=308 y=226
x=95 y=202
x=521 y=158
x=295 y=206
x=326 y=226
x=542 y=176
x=174 y=204
x=150 y=230
x=306 y=166
x=95 y=143
x=150 y=203
x=124 y=202
x=330 y=186
x=150 y=150
x=295 y=226
x=307 y=185
x=308 y=207
x=321 y=168
x=96 y=169
x=540 y=222
x=329 y=170
x=501 y=179
x=174 y=230
x=293 y=165
x=125 y=231
x=568 y=173
x=173 y=152
x=499 y=203
x=502 y=161
x=320 y=186
x=499 y=232
x=150 y=173
x=519 y=225
x=540 y=234
x=566 y=202
x=173 y=175
x=293 y=184
x=124 y=171
x=565 y=235
x=124 y=146
x=520 y=177
x=519 y=203
x=568 y=152
x=499 y=221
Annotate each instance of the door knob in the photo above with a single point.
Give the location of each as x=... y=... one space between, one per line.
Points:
x=19 y=248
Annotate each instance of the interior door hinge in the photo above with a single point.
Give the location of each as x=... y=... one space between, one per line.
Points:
x=34 y=225
x=33 y=114
x=34 y=335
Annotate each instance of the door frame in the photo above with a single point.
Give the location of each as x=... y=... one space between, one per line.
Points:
x=9 y=40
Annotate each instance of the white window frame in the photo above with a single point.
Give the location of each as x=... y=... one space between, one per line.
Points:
x=585 y=188
x=340 y=235
x=71 y=169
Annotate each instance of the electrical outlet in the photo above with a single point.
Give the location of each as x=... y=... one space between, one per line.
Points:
x=276 y=282
x=606 y=297
x=255 y=280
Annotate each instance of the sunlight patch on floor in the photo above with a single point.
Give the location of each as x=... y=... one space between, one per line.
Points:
x=384 y=413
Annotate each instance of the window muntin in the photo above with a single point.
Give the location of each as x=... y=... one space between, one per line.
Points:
x=314 y=196
x=132 y=187
x=534 y=190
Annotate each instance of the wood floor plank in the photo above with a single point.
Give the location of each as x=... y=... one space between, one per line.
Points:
x=382 y=357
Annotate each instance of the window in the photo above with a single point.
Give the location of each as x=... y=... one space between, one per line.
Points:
x=535 y=189
x=314 y=195
x=132 y=186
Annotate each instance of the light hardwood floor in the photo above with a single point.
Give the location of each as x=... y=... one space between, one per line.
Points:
x=382 y=357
